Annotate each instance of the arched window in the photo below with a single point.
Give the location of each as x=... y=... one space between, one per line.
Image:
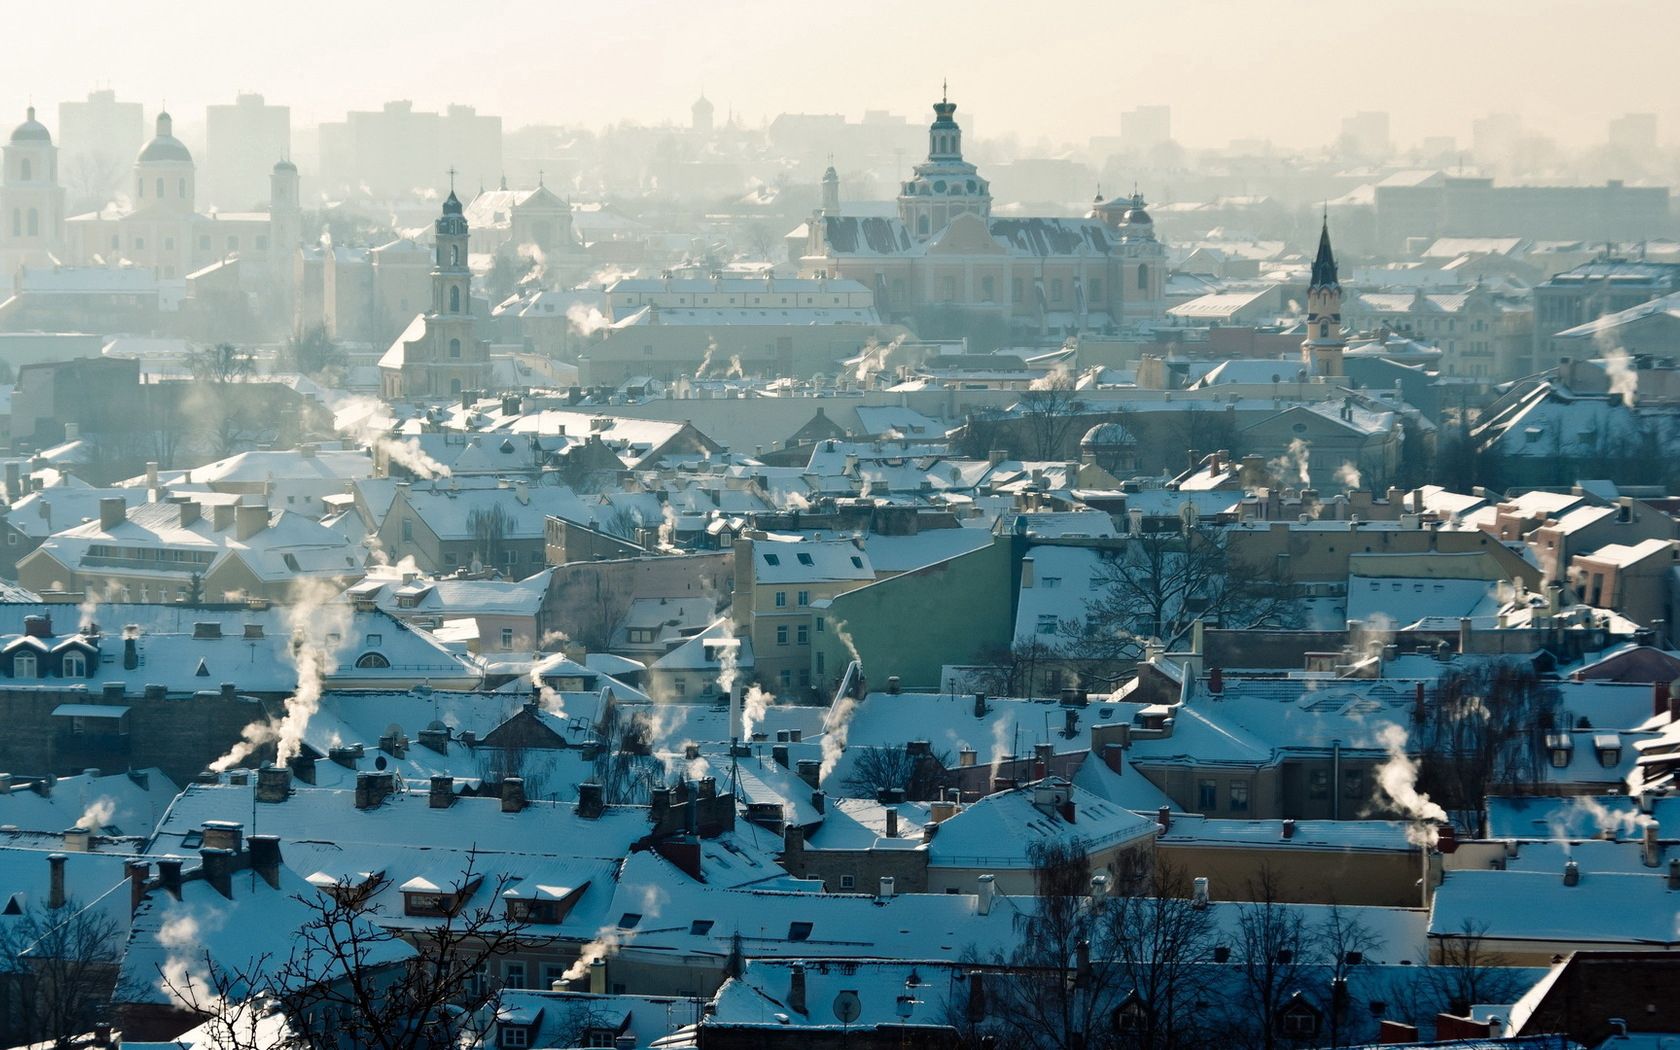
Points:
x=23 y=665
x=25 y=169
x=922 y=225
x=454 y=348
x=181 y=187
x=454 y=255
x=75 y=665
x=1324 y=330
x=374 y=660
x=454 y=299
x=1143 y=278
x=34 y=222
x=454 y=386
x=160 y=187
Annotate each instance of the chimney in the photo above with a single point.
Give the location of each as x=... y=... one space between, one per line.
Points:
x=55 y=895
x=893 y=687
x=592 y=801
x=1199 y=891
x=1163 y=817
x=1216 y=681
x=1571 y=873
x=131 y=647
x=249 y=519
x=779 y=754
x=169 y=875
x=221 y=516
x=265 y=858
x=892 y=822
x=223 y=834
x=796 y=988
x=1042 y=754
x=809 y=769
x=1288 y=829
x=513 y=795
x=986 y=895
x=966 y=758
x=371 y=789
x=190 y=513
x=217 y=868
x=1099 y=889
x=113 y=510
x=886 y=890
x=1674 y=873
x=138 y=872
x=598 y=977
x=1446 y=837
x=1652 y=850
x=442 y=794
x=274 y=784
x=76 y=839
x=1464 y=634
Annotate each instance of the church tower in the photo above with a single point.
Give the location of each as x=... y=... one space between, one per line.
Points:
x=1322 y=350
x=831 y=191
x=31 y=200
x=439 y=354
x=943 y=186
x=285 y=226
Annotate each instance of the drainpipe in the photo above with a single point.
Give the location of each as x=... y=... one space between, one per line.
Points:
x=1336 y=779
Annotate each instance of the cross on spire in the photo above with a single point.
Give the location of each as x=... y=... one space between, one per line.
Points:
x=944 y=90
x=539 y=178
x=452 y=178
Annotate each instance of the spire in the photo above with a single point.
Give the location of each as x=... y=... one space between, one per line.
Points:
x=1324 y=264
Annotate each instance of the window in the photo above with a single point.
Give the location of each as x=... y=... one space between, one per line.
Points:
x=408 y=530
x=1318 y=784
x=1239 y=797
x=847 y=882
x=507 y=637
x=454 y=299
x=34 y=222
x=804 y=558
x=781 y=599
x=454 y=348
x=786 y=678
x=988 y=289
x=821 y=625
x=23 y=665
x=1143 y=278
x=374 y=639
x=1096 y=289
x=374 y=661
x=516 y=1036
x=75 y=665
x=799 y=931
x=804 y=598
x=450 y=559
x=180 y=188
x=803 y=635
x=1056 y=289
x=782 y=635
x=552 y=973
x=160 y=187
x=513 y=974
x=1353 y=783
x=25 y=169
x=1050 y=582
x=948 y=289
x=1207 y=796
x=700 y=927
x=1047 y=623
x=680 y=686
x=772 y=559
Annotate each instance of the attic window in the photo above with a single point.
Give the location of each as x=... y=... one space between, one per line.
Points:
x=799 y=931
x=629 y=919
x=772 y=559
x=857 y=562
x=700 y=927
x=192 y=840
x=805 y=559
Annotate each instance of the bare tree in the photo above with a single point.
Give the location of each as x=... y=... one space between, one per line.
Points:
x=624 y=764
x=1273 y=939
x=1345 y=941
x=490 y=526
x=1486 y=730
x=1467 y=972
x=1159 y=583
x=221 y=363
x=1048 y=414
x=919 y=774
x=62 y=964
x=1159 y=940
x=336 y=987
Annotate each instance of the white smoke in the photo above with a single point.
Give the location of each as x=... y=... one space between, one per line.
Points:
x=317 y=621
x=98 y=813
x=607 y=937
x=551 y=701
x=753 y=709
x=1055 y=379
x=586 y=319
x=1623 y=377
x=1619 y=823
x=793 y=500
x=1000 y=746
x=729 y=657
x=1347 y=475
x=735 y=369
x=875 y=357
x=1397 y=780
x=1294 y=462
x=837 y=726
x=667 y=525
x=407 y=453
x=705 y=366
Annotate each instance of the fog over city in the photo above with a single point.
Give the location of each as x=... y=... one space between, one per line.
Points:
x=789 y=527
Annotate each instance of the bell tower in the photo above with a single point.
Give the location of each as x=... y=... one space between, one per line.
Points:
x=1322 y=350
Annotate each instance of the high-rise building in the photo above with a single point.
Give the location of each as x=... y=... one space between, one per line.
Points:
x=97 y=140
x=1365 y=136
x=1145 y=128
x=386 y=151
x=243 y=141
x=1634 y=134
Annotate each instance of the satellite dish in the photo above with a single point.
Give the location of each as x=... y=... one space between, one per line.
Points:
x=847 y=1007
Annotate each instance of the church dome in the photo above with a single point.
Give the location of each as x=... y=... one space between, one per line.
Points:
x=285 y=166
x=165 y=148
x=31 y=130
x=1135 y=215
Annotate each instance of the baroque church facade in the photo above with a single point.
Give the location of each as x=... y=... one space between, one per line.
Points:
x=439 y=354
x=946 y=251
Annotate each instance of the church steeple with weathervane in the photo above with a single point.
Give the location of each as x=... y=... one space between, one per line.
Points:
x=943 y=186
x=1321 y=351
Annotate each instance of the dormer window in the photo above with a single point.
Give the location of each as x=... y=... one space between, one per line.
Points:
x=24 y=666
x=75 y=665
x=1560 y=748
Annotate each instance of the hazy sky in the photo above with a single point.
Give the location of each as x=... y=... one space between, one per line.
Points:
x=1287 y=70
